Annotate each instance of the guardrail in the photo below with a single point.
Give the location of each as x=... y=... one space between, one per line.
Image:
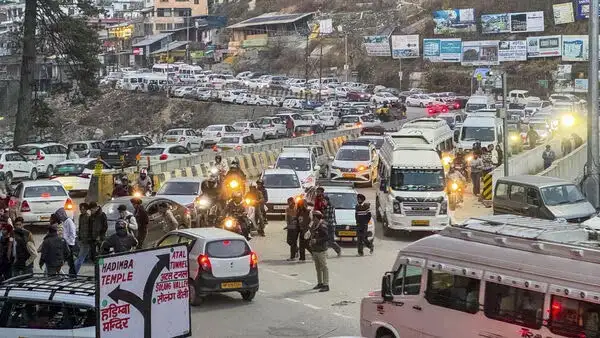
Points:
x=569 y=167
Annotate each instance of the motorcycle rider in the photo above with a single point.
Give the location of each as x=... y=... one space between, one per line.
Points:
x=144 y=182
x=256 y=195
x=211 y=189
x=122 y=187
x=235 y=208
x=221 y=166
x=260 y=185
x=234 y=175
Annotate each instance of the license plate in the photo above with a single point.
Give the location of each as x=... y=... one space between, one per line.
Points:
x=113 y=154
x=44 y=218
x=68 y=187
x=347 y=233
x=420 y=223
x=171 y=140
x=348 y=175
x=279 y=207
x=231 y=285
x=346 y=239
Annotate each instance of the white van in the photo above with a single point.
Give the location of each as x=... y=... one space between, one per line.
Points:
x=163 y=68
x=435 y=130
x=477 y=102
x=521 y=97
x=483 y=127
x=303 y=161
x=494 y=276
x=411 y=194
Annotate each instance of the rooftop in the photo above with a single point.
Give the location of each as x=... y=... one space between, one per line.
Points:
x=270 y=19
x=151 y=39
x=542 y=181
x=171 y=46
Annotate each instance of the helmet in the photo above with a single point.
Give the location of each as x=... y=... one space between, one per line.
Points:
x=260 y=181
x=144 y=171
x=218 y=158
x=235 y=164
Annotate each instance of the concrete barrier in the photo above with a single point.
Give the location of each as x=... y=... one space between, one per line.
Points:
x=569 y=167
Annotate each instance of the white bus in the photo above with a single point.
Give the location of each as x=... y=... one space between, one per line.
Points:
x=163 y=68
x=492 y=276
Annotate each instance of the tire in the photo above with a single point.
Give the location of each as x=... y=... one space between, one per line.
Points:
x=248 y=295
x=377 y=213
x=34 y=174
x=8 y=178
x=264 y=137
x=195 y=299
x=49 y=171
x=188 y=147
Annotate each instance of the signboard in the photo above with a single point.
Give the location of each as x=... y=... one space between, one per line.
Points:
x=138 y=51
x=495 y=23
x=442 y=50
x=515 y=50
x=405 y=46
x=582 y=9
x=122 y=32
x=377 y=45
x=512 y=22
x=580 y=85
x=575 y=48
x=255 y=42
x=325 y=26
x=143 y=294
x=563 y=13
x=480 y=53
x=544 y=46
x=454 y=21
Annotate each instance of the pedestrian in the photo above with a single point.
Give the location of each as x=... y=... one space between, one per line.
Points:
x=303 y=216
x=70 y=236
x=291 y=226
x=84 y=234
x=289 y=126
x=565 y=146
x=318 y=245
x=318 y=204
x=99 y=226
x=486 y=157
x=548 y=156
x=24 y=250
x=260 y=185
x=129 y=218
x=362 y=214
x=329 y=219
x=532 y=137
x=54 y=251
x=499 y=155
x=121 y=241
x=577 y=141
x=6 y=250
x=141 y=217
x=476 y=169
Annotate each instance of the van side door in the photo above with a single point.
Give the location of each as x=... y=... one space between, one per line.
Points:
x=404 y=311
x=534 y=203
x=516 y=203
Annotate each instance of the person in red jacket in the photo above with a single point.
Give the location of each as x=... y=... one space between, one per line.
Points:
x=319 y=205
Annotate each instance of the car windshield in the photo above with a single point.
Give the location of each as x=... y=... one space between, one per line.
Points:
x=28 y=150
x=115 y=144
x=67 y=169
x=417 y=179
x=44 y=191
x=448 y=119
x=350 y=119
x=303 y=129
x=349 y=154
x=533 y=104
x=174 y=132
x=213 y=128
x=368 y=118
x=152 y=151
x=78 y=146
x=230 y=139
x=111 y=209
x=475 y=106
x=295 y=163
x=179 y=188
x=342 y=200
x=281 y=181
x=562 y=194
x=482 y=134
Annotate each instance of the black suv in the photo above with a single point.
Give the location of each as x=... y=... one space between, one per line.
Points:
x=125 y=147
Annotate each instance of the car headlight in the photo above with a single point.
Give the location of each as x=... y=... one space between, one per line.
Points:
x=229 y=223
x=568 y=120
x=397 y=209
x=514 y=138
x=454 y=186
x=444 y=207
x=447 y=160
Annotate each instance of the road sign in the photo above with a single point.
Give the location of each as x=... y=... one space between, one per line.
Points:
x=143 y=294
x=479 y=77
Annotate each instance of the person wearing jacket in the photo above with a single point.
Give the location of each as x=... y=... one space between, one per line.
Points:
x=98 y=225
x=129 y=219
x=142 y=220
x=329 y=219
x=318 y=244
x=70 y=236
x=363 y=216
x=84 y=234
x=54 y=251
x=318 y=204
x=303 y=216
x=121 y=241
x=6 y=251
x=291 y=225
x=260 y=185
x=24 y=252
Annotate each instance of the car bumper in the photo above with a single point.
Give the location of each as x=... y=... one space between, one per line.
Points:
x=276 y=208
x=206 y=283
x=418 y=223
x=350 y=236
x=212 y=140
x=38 y=218
x=337 y=175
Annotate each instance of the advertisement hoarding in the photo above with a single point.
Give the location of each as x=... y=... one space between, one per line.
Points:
x=544 y=46
x=563 y=13
x=138 y=293
x=480 y=53
x=442 y=50
x=512 y=22
x=377 y=45
x=575 y=48
x=582 y=9
x=405 y=46
x=580 y=85
x=495 y=23
x=512 y=51
x=454 y=21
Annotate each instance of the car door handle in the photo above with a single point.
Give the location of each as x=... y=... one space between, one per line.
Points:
x=417 y=307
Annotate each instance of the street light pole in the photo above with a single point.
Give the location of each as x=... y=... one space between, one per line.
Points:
x=505 y=124
x=591 y=183
x=187 y=24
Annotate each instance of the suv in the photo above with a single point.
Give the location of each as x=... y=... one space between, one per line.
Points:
x=48 y=306
x=86 y=148
x=45 y=156
x=219 y=261
x=127 y=147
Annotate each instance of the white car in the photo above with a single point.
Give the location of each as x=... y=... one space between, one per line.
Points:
x=244 y=75
x=185 y=191
x=157 y=153
x=314 y=119
x=35 y=201
x=90 y=148
x=76 y=175
x=243 y=98
x=281 y=184
x=357 y=121
x=204 y=95
x=232 y=96
x=341 y=91
x=274 y=127
x=329 y=119
x=185 y=137
x=213 y=133
x=384 y=98
x=299 y=89
x=419 y=100
x=230 y=80
x=260 y=100
x=235 y=141
x=180 y=92
x=257 y=132
x=292 y=103
x=355 y=161
x=301 y=160
x=45 y=156
x=16 y=167
x=295 y=117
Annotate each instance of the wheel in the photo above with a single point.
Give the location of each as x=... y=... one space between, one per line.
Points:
x=50 y=171
x=248 y=295
x=34 y=175
x=188 y=147
x=387 y=232
x=195 y=299
x=377 y=213
x=8 y=178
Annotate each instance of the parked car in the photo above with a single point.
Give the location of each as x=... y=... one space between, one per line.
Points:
x=300 y=131
x=185 y=137
x=250 y=127
x=274 y=127
x=45 y=156
x=358 y=96
x=76 y=175
x=384 y=98
x=213 y=133
x=156 y=153
x=419 y=100
x=125 y=147
x=16 y=167
x=90 y=148
x=235 y=141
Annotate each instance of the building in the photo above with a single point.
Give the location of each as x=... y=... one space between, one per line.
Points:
x=171 y=14
x=127 y=9
x=11 y=16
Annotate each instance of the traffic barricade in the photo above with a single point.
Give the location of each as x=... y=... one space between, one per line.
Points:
x=486 y=192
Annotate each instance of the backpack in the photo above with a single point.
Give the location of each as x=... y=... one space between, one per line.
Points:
x=22 y=254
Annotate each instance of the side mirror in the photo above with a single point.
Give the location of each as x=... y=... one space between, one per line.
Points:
x=386 y=287
x=153 y=193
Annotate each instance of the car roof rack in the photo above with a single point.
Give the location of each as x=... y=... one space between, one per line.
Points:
x=331 y=183
x=58 y=284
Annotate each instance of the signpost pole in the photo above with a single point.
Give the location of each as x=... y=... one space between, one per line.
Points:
x=400 y=72
x=505 y=124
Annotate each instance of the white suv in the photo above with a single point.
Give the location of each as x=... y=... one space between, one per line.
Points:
x=16 y=166
x=45 y=156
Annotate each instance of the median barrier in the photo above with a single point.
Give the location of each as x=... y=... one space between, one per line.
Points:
x=570 y=167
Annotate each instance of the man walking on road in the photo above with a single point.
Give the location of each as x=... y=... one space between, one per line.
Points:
x=99 y=226
x=25 y=252
x=291 y=226
x=141 y=217
x=84 y=235
x=318 y=245
x=363 y=217
x=329 y=218
x=548 y=156
x=476 y=169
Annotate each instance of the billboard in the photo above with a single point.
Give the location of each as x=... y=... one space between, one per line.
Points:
x=480 y=53
x=454 y=21
x=563 y=13
x=138 y=294
x=544 y=46
x=405 y=46
x=377 y=45
x=512 y=51
x=575 y=48
x=495 y=23
x=582 y=9
x=512 y=22
x=442 y=50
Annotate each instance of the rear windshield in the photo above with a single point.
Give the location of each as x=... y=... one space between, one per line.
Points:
x=229 y=248
x=174 y=132
x=349 y=119
x=28 y=150
x=152 y=151
x=179 y=188
x=115 y=144
x=230 y=140
x=69 y=169
x=281 y=181
x=111 y=209
x=44 y=191
x=304 y=129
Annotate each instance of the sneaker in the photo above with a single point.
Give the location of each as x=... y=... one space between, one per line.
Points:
x=325 y=288
x=318 y=286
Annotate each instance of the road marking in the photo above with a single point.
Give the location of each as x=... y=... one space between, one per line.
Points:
x=305 y=282
x=341 y=315
x=292 y=300
x=287 y=276
x=269 y=270
x=312 y=306
x=262 y=291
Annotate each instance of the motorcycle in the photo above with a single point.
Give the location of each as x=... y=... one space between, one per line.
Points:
x=208 y=211
x=234 y=224
x=455 y=194
x=141 y=192
x=252 y=214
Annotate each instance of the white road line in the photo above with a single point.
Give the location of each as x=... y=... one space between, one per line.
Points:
x=341 y=315
x=269 y=270
x=262 y=291
x=305 y=282
x=292 y=300
x=287 y=276
x=312 y=306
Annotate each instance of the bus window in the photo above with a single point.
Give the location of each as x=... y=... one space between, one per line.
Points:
x=513 y=305
x=574 y=318
x=454 y=292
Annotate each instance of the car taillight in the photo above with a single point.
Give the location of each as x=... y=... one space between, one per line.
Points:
x=83 y=176
x=69 y=204
x=187 y=211
x=181 y=139
x=238 y=148
x=204 y=263
x=312 y=132
x=12 y=203
x=253 y=260
x=456 y=106
x=163 y=157
x=39 y=156
x=430 y=111
x=25 y=207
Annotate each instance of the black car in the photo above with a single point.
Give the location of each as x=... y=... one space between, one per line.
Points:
x=124 y=150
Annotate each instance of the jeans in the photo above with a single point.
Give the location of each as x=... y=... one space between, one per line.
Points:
x=22 y=270
x=320 y=259
x=362 y=240
x=292 y=241
x=303 y=247
x=71 y=260
x=84 y=250
x=476 y=179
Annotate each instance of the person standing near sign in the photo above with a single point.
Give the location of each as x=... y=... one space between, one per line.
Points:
x=141 y=217
x=121 y=241
x=54 y=251
x=99 y=226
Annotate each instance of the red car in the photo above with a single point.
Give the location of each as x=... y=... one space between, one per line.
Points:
x=436 y=108
x=358 y=96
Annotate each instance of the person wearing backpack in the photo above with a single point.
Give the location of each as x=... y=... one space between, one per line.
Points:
x=129 y=218
x=24 y=250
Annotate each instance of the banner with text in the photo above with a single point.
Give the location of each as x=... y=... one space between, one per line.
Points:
x=442 y=50
x=512 y=22
x=575 y=47
x=512 y=51
x=454 y=21
x=405 y=46
x=143 y=294
x=582 y=9
x=377 y=45
x=480 y=53
x=544 y=46
x=563 y=13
